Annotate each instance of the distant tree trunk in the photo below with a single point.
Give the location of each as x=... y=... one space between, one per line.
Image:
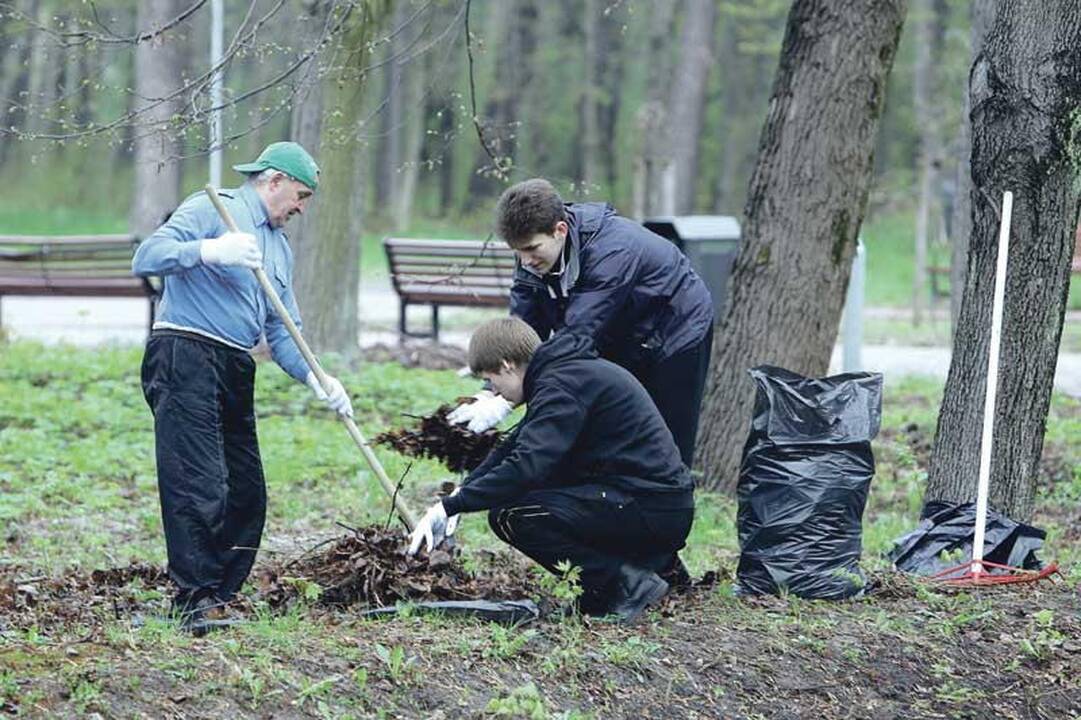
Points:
x=651 y=119
x=157 y=73
x=804 y=208
x=611 y=57
x=11 y=75
x=1025 y=87
x=688 y=98
x=392 y=120
x=981 y=13
x=37 y=74
x=927 y=59
x=514 y=22
x=588 y=107
x=413 y=88
x=306 y=128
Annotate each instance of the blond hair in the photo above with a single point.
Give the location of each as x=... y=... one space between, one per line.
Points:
x=502 y=340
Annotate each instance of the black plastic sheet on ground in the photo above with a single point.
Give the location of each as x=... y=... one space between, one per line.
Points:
x=945 y=535
x=807 y=466
x=504 y=612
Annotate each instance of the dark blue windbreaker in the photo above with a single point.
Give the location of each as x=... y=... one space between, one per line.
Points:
x=630 y=290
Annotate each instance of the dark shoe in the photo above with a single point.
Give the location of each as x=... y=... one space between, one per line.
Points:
x=675 y=574
x=636 y=589
x=205 y=615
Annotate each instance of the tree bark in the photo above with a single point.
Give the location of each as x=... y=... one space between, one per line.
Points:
x=688 y=98
x=981 y=13
x=804 y=208
x=158 y=65
x=412 y=91
x=1025 y=87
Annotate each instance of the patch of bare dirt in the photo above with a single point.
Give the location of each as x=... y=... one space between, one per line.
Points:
x=425 y=355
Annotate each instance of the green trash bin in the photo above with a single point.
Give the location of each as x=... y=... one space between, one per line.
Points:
x=710 y=242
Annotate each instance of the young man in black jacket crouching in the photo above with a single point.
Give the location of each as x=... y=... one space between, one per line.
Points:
x=591 y=474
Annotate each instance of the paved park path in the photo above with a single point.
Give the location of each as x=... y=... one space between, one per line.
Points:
x=92 y=322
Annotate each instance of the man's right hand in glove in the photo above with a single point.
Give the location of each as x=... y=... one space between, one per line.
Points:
x=485 y=412
x=232 y=248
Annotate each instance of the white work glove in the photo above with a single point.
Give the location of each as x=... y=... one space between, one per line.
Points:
x=431 y=530
x=484 y=413
x=232 y=248
x=337 y=399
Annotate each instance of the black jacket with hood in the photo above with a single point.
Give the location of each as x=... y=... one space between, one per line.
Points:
x=629 y=289
x=587 y=421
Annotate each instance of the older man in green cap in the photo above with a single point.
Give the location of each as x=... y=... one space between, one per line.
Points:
x=198 y=375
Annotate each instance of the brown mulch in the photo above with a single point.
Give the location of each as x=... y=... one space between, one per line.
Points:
x=434 y=437
x=370 y=568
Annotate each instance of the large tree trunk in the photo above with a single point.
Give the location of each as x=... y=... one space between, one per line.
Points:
x=412 y=91
x=158 y=69
x=328 y=264
x=1025 y=87
x=804 y=208
x=981 y=13
x=688 y=99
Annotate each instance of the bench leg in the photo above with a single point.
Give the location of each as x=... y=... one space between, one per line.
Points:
x=152 y=314
x=435 y=323
x=402 y=331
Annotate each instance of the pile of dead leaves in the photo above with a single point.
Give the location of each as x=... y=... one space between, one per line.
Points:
x=459 y=449
x=370 y=568
x=76 y=598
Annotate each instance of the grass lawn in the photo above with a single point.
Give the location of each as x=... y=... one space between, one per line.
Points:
x=77 y=493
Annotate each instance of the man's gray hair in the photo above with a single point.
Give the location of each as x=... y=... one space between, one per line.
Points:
x=261 y=178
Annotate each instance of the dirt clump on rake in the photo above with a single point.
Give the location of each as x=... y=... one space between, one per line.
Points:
x=435 y=437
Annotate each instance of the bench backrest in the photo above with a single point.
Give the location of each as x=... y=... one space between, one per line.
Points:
x=474 y=264
x=69 y=264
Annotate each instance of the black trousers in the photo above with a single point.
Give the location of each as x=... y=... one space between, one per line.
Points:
x=210 y=476
x=597 y=528
x=676 y=386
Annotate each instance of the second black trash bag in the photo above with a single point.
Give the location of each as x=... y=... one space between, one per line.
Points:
x=807 y=466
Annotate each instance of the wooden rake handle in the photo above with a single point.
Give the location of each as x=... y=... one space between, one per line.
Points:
x=324 y=380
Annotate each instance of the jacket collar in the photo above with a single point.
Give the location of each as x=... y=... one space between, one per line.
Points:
x=256 y=206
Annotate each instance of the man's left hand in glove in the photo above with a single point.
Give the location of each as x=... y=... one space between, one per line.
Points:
x=432 y=529
x=337 y=398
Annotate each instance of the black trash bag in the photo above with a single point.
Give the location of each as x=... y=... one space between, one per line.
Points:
x=943 y=540
x=806 y=470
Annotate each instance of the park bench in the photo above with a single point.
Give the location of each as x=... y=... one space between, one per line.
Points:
x=464 y=273
x=73 y=266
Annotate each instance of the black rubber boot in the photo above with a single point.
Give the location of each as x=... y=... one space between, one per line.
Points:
x=636 y=589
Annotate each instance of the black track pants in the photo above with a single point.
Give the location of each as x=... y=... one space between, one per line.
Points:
x=676 y=386
x=594 y=527
x=210 y=477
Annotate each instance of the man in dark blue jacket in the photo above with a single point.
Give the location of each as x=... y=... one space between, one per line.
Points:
x=590 y=475
x=584 y=268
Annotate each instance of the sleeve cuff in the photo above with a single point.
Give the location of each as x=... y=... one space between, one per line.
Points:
x=453 y=505
x=190 y=254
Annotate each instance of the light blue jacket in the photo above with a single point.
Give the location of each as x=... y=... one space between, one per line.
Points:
x=223 y=302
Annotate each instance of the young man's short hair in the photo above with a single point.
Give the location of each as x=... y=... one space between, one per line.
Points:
x=502 y=340
x=530 y=207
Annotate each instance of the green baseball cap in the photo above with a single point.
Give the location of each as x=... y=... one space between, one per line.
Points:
x=288 y=157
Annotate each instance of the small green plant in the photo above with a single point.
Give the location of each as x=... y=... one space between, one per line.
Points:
x=316 y=689
x=566 y=585
x=84 y=693
x=360 y=681
x=397 y=664
x=1043 y=638
x=632 y=652
x=310 y=591
x=523 y=702
x=505 y=643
